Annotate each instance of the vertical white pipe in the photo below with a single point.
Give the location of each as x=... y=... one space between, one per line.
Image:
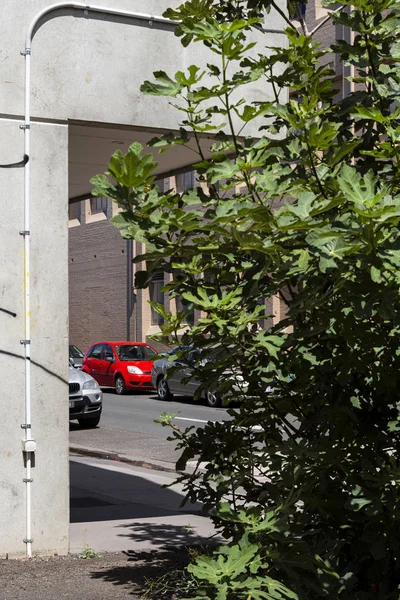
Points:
x=27 y=245
x=27 y=310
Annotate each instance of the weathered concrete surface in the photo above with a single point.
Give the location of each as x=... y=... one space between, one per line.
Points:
x=91 y=67
x=49 y=289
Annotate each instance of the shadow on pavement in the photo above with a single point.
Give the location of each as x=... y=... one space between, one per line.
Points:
x=74 y=426
x=142 y=567
x=103 y=494
x=167 y=536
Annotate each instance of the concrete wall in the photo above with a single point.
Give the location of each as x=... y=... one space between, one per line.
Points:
x=49 y=290
x=91 y=67
x=86 y=69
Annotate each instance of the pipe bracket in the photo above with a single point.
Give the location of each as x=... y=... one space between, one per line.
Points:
x=26 y=52
x=26 y=232
x=25 y=342
x=26 y=541
x=25 y=126
x=27 y=480
x=26 y=426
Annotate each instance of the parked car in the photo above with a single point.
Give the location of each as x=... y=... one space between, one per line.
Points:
x=123 y=365
x=180 y=379
x=76 y=356
x=85 y=398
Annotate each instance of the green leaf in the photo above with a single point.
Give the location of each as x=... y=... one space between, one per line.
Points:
x=355 y=402
x=357 y=504
x=101 y=185
x=195 y=75
x=376 y=275
x=165 y=86
x=373 y=114
x=303 y=207
x=231 y=564
x=132 y=170
x=354 y=187
x=225 y=169
x=142 y=279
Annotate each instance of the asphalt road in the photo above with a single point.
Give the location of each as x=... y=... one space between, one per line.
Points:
x=127 y=426
x=137 y=412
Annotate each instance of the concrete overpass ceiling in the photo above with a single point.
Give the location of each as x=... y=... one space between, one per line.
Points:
x=91 y=145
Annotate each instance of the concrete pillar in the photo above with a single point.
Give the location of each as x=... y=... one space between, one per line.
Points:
x=49 y=365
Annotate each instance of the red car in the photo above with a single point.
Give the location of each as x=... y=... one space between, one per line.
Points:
x=123 y=365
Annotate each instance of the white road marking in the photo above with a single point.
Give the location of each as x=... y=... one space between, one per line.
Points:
x=196 y=420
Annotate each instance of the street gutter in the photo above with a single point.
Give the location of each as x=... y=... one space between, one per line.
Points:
x=114 y=456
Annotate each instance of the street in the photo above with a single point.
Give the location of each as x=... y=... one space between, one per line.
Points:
x=127 y=426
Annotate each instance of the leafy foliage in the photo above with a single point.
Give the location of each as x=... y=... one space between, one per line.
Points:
x=304 y=480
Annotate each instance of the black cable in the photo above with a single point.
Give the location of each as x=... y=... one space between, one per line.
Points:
x=21 y=163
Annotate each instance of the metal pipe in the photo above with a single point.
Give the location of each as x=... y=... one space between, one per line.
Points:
x=93 y=8
x=29 y=448
x=129 y=287
x=27 y=321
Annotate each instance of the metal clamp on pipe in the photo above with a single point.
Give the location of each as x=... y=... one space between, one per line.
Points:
x=28 y=445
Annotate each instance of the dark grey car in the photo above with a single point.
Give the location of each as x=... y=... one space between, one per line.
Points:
x=180 y=379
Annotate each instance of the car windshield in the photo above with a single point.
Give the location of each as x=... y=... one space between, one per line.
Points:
x=132 y=352
x=74 y=352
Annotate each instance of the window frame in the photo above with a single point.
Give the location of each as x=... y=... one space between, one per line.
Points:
x=103 y=206
x=157 y=280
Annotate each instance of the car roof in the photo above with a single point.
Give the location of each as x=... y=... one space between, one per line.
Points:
x=121 y=343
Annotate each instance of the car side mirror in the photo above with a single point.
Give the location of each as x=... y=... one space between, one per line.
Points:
x=71 y=362
x=109 y=358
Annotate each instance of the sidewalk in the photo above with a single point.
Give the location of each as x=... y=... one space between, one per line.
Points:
x=120 y=507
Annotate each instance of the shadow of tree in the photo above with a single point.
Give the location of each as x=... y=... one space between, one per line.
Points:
x=166 y=536
x=142 y=568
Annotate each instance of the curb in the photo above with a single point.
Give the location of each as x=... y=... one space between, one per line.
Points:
x=114 y=456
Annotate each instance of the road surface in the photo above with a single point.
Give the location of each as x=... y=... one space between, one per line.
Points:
x=127 y=425
x=137 y=412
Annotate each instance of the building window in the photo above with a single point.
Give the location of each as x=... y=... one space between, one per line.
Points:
x=98 y=205
x=156 y=295
x=185 y=181
x=74 y=211
x=163 y=184
x=188 y=311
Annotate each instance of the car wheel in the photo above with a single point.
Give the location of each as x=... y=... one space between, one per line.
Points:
x=213 y=399
x=163 y=390
x=120 y=386
x=89 y=423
